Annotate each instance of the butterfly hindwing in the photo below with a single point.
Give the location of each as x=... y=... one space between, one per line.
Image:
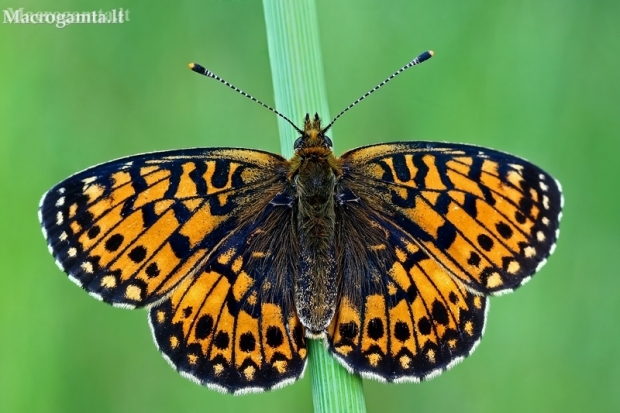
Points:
x=233 y=326
x=129 y=231
x=489 y=218
x=401 y=316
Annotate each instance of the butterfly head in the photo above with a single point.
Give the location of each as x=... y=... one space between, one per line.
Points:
x=313 y=135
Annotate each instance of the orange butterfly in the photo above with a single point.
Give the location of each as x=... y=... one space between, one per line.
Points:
x=388 y=252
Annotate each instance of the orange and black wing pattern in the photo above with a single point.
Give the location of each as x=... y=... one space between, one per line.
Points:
x=444 y=225
x=195 y=235
x=131 y=230
x=233 y=327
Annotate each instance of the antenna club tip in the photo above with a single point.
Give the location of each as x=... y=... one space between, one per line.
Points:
x=424 y=57
x=198 y=69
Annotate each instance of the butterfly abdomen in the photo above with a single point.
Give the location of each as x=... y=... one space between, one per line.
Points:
x=315 y=286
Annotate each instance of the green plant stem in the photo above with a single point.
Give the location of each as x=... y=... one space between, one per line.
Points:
x=299 y=87
x=296 y=65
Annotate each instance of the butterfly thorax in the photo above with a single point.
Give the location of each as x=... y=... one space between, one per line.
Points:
x=313 y=173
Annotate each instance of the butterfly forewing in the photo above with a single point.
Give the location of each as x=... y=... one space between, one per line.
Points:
x=488 y=218
x=130 y=230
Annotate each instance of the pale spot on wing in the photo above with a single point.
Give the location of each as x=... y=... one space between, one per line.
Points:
x=529 y=251
x=225 y=257
x=248 y=372
x=161 y=316
x=374 y=359
x=108 y=281
x=469 y=328
x=513 y=267
x=87 y=267
x=494 y=280
x=133 y=292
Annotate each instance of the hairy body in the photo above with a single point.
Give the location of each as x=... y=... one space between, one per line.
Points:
x=313 y=173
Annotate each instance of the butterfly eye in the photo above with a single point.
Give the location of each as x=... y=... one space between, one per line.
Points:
x=328 y=141
x=297 y=143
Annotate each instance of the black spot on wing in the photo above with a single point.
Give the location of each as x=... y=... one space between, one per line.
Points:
x=443 y=203
x=412 y=292
x=204 y=326
x=440 y=314
x=474 y=259
x=274 y=336
x=401 y=331
x=400 y=166
x=222 y=340
x=485 y=242
x=137 y=180
x=424 y=326
x=442 y=168
x=469 y=205
x=137 y=254
x=504 y=230
x=197 y=176
x=422 y=171
x=93 y=232
x=375 y=329
x=149 y=217
x=475 y=174
x=220 y=175
x=181 y=212
x=176 y=172
x=180 y=245
x=85 y=219
x=348 y=330
x=114 y=242
x=247 y=342
x=152 y=270
x=446 y=234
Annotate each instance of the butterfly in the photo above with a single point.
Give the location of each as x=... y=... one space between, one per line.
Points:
x=388 y=253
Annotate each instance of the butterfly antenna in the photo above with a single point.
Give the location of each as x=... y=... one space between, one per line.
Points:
x=421 y=58
x=206 y=72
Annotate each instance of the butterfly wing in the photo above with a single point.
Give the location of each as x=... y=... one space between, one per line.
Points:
x=400 y=317
x=129 y=231
x=489 y=218
x=443 y=225
x=233 y=327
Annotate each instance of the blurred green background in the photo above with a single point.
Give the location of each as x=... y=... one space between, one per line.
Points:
x=536 y=78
